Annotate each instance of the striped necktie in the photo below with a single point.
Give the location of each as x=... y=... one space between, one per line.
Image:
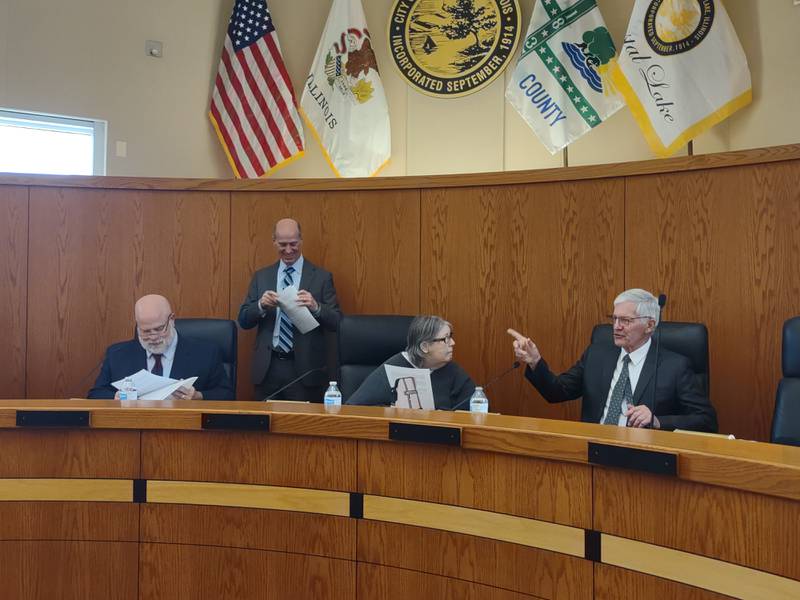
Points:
x=285 y=327
x=158 y=368
x=622 y=391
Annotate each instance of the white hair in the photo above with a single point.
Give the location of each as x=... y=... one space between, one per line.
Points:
x=646 y=303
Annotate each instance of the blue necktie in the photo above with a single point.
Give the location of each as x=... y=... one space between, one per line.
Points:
x=622 y=391
x=285 y=327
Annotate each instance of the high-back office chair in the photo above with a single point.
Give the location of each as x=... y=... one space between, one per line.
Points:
x=786 y=418
x=222 y=332
x=365 y=341
x=688 y=339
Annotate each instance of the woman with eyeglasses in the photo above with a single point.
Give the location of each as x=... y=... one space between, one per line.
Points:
x=429 y=346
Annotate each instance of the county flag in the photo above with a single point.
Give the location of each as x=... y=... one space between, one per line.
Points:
x=560 y=85
x=253 y=107
x=343 y=101
x=681 y=69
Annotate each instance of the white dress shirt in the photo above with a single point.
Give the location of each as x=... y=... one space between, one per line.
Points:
x=634 y=370
x=166 y=359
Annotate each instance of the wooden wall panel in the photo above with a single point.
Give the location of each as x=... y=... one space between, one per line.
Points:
x=199 y=572
x=545 y=259
x=368 y=240
x=94 y=252
x=99 y=521
x=249 y=457
x=550 y=491
x=385 y=583
x=613 y=583
x=13 y=288
x=488 y=562
x=44 y=570
x=706 y=519
x=723 y=245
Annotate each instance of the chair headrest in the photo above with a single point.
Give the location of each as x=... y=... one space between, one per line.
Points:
x=688 y=339
x=220 y=331
x=371 y=339
x=790 y=356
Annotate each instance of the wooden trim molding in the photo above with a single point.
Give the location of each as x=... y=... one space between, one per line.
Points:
x=66 y=490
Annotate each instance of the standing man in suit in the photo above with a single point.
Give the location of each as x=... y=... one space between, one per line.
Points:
x=616 y=382
x=161 y=351
x=282 y=353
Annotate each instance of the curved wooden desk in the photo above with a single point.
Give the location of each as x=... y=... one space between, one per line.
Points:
x=99 y=500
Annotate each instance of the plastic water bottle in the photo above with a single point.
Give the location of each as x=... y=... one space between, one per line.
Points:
x=478 y=403
x=333 y=397
x=128 y=391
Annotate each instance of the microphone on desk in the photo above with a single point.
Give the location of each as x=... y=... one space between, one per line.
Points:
x=84 y=379
x=293 y=381
x=492 y=381
x=662 y=301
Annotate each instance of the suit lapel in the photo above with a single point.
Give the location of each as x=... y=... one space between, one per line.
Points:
x=610 y=357
x=179 y=361
x=648 y=368
x=307 y=275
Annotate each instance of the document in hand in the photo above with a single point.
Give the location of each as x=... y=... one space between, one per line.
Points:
x=414 y=389
x=300 y=316
x=154 y=387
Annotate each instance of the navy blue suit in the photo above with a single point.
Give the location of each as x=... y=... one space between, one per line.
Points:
x=193 y=357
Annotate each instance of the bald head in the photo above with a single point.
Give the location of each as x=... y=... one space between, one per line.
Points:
x=288 y=240
x=151 y=309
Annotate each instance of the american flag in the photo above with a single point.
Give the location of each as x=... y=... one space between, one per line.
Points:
x=253 y=107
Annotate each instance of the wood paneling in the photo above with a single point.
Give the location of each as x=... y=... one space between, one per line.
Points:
x=94 y=252
x=488 y=562
x=249 y=457
x=197 y=573
x=98 y=521
x=546 y=260
x=13 y=288
x=69 y=570
x=723 y=245
x=384 y=583
x=368 y=240
x=69 y=453
x=747 y=529
x=296 y=533
x=613 y=583
x=556 y=492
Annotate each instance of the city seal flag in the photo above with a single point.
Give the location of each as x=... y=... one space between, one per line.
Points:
x=343 y=101
x=253 y=108
x=681 y=69
x=561 y=85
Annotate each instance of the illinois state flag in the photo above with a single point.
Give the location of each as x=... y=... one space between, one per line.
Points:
x=253 y=108
x=682 y=70
x=560 y=85
x=343 y=101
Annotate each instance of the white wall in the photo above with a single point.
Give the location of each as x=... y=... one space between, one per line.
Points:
x=86 y=58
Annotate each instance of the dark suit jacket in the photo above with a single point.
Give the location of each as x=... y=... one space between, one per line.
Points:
x=192 y=358
x=679 y=403
x=309 y=348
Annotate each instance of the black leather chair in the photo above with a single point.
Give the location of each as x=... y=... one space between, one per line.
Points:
x=365 y=342
x=222 y=332
x=786 y=418
x=688 y=339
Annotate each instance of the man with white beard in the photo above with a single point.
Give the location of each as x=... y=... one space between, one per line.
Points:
x=161 y=351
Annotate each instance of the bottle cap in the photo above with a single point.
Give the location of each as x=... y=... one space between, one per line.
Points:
x=331 y=383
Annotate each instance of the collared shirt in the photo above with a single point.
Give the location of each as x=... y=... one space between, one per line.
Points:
x=166 y=359
x=634 y=370
x=296 y=276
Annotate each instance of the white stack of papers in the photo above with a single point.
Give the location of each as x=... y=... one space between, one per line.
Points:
x=413 y=387
x=154 y=387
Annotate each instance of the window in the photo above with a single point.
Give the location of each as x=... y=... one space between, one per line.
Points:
x=39 y=143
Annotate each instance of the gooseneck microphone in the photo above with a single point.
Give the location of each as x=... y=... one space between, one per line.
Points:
x=293 y=381
x=662 y=301
x=492 y=381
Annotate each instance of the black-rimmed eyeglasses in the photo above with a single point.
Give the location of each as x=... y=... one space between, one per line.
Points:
x=153 y=331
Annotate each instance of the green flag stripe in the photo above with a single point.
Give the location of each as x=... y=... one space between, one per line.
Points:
x=557 y=22
x=577 y=99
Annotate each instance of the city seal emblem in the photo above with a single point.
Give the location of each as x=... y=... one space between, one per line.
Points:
x=449 y=48
x=675 y=26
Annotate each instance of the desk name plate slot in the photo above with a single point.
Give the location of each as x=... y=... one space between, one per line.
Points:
x=636 y=459
x=233 y=421
x=426 y=434
x=52 y=418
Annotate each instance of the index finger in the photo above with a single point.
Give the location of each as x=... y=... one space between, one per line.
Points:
x=516 y=334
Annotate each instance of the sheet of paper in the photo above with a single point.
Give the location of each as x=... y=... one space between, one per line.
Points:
x=414 y=389
x=299 y=315
x=145 y=382
x=165 y=392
